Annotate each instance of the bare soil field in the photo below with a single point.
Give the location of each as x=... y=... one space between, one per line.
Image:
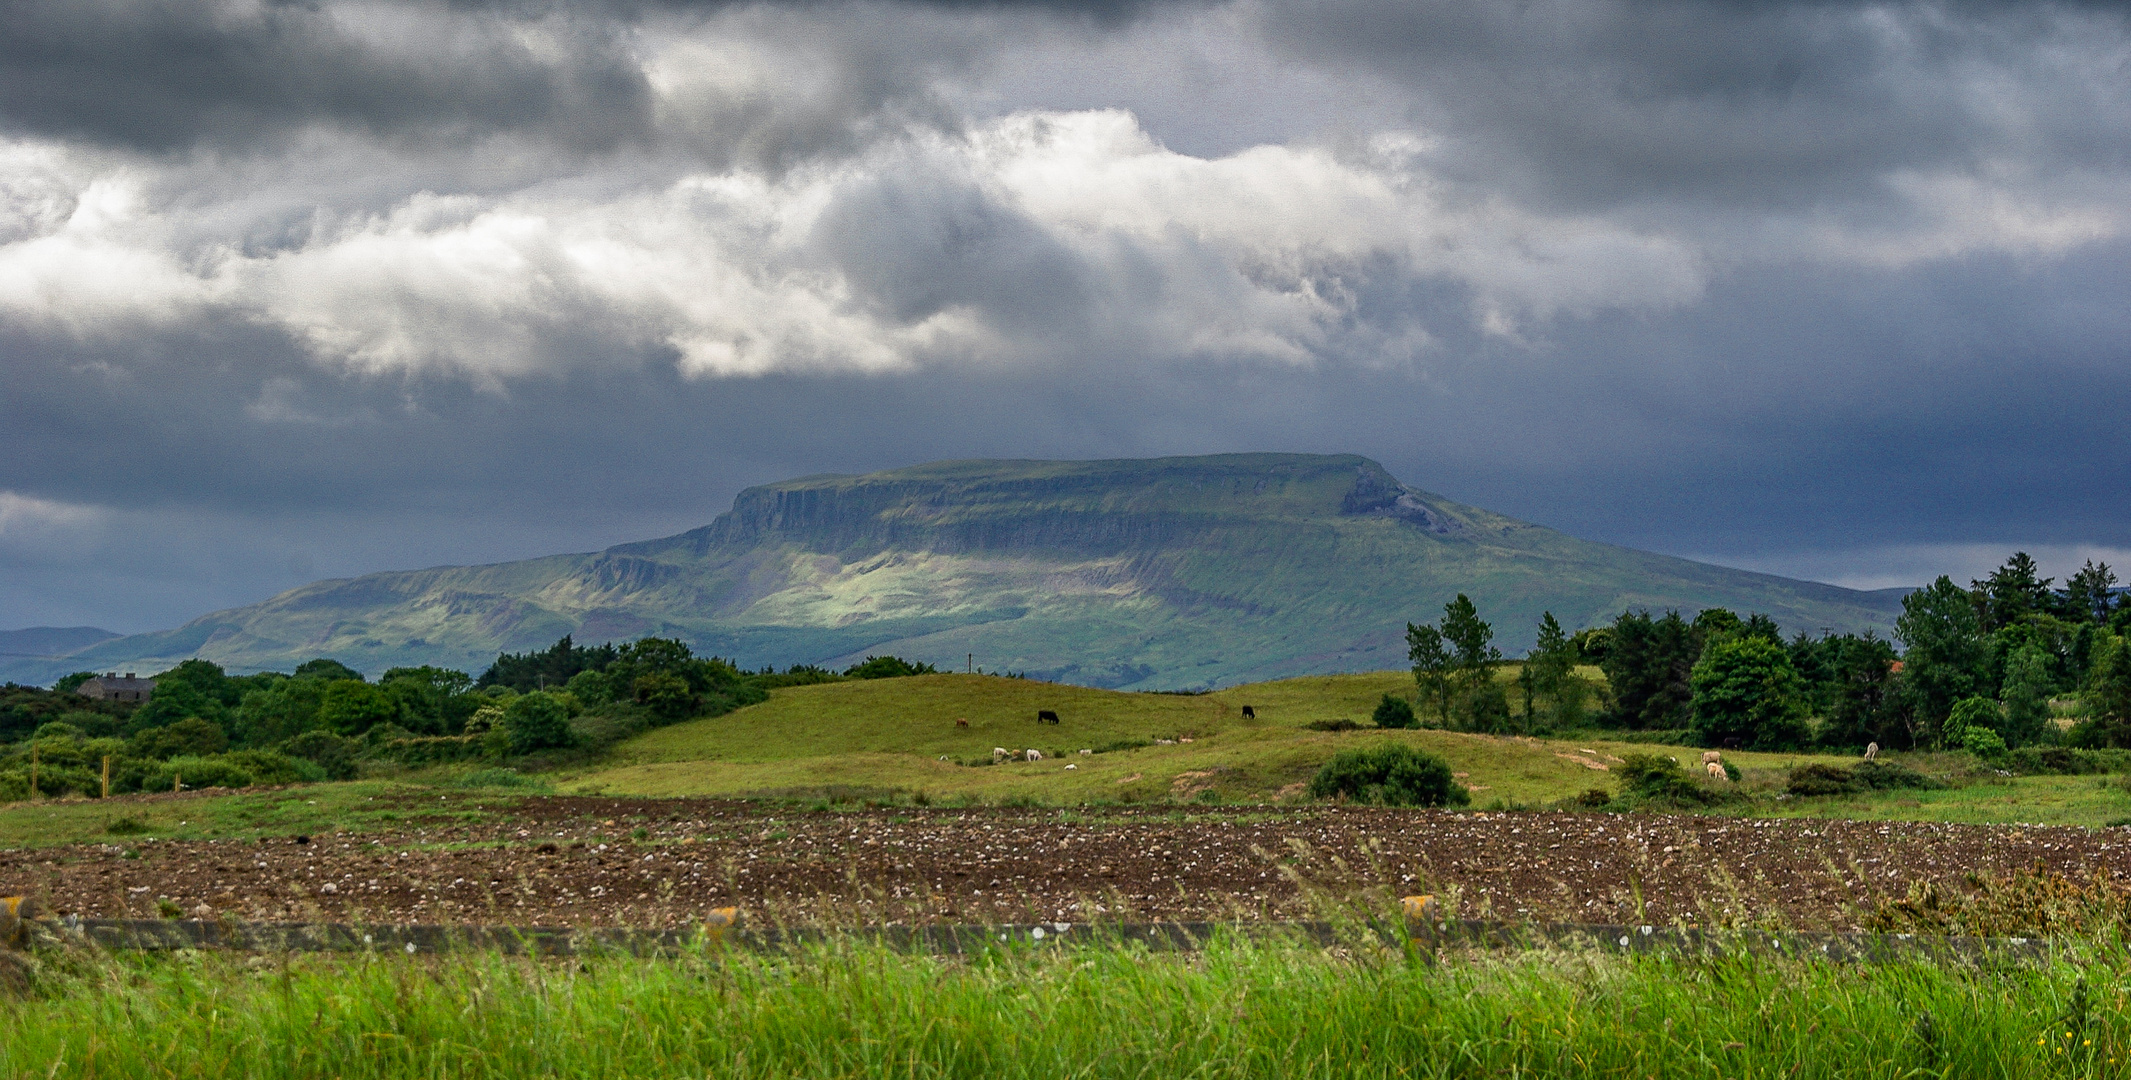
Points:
x=579 y=861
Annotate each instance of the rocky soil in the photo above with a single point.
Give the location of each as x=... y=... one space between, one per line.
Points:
x=607 y=862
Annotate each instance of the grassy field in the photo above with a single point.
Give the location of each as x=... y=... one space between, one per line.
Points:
x=1236 y=1011
x=886 y=738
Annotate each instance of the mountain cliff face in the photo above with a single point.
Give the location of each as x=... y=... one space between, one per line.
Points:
x=1147 y=574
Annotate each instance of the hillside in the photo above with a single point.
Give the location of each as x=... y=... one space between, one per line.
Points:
x=1160 y=573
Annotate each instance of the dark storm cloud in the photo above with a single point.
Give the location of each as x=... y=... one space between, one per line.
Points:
x=451 y=282
x=159 y=74
x=1777 y=104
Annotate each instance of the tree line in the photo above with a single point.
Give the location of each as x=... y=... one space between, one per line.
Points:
x=1983 y=668
x=204 y=727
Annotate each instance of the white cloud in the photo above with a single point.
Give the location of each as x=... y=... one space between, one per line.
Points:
x=27 y=519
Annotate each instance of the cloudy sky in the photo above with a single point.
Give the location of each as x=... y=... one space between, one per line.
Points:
x=295 y=290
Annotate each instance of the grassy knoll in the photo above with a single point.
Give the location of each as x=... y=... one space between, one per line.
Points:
x=1236 y=1011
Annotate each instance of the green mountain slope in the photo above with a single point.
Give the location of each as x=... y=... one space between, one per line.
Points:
x=1146 y=574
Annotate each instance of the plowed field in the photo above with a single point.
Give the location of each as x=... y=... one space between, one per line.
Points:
x=566 y=861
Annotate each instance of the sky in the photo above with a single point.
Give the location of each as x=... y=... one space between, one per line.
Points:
x=310 y=289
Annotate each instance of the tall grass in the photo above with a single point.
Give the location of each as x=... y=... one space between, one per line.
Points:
x=1238 y=1010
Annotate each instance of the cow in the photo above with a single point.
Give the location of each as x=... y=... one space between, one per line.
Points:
x=1034 y=755
x=1249 y=713
x=1716 y=770
x=1046 y=716
x=1734 y=743
x=1871 y=751
x=961 y=722
x=1711 y=755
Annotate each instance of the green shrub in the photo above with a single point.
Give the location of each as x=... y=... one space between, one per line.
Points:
x=326 y=750
x=537 y=721
x=1887 y=775
x=667 y=696
x=189 y=737
x=1821 y=779
x=1389 y=775
x=1983 y=743
x=1486 y=709
x=888 y=667
x=1656 y=779
x=2065 y=761
x=1395 y=712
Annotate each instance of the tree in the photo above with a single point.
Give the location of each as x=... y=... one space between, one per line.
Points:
x=536 y=721
x=327 y=669
x=1471 y=639
x=554 y=666
x=1648 y=665
x=1395 y=712
x=2087 y=594
x=1947 y=655
x=666 y=695
x=1862 y=706
x=2028 y=687
x=349 y=707
x=1550 y=672
x=1977 y=713
x=889 y=667
x=2108 y=694
x=1432 y=665
x=2010 y=593
x=1747 y=694
x=67 y=684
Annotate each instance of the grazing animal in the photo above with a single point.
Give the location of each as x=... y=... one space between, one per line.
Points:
x=1711 y=755
x=999 y=753
x=1733 y=743
x=1085 y=753
x=1715 y=769
x=1871 y=751
x=1072 y=766
x=1035 y=755
x=961 y=722
x=1046 y=716
x=1249 y=713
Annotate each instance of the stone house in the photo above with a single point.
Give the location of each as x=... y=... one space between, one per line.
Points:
x=112 y=688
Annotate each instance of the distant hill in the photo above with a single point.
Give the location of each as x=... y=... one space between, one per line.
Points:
x=1163 y=573
x=48 y=642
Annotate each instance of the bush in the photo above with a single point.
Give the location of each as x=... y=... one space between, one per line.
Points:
x=2064 y=761
x=1389 y=775
x=1486 y=709
x=888 y=667
x=1747 y=693
x=439 y=749
x=1970 y=714
x=190 y=737
x=1819 y=779
x=330 y=752
x=1662 y=780
x=537 y=721
x=1983 y=743
x=667 y=696
x=1395 y=713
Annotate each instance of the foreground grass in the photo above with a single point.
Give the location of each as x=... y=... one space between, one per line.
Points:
x=1236 y=1011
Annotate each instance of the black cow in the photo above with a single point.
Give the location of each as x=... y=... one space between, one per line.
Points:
x=1046 y=716
x=1249 y=713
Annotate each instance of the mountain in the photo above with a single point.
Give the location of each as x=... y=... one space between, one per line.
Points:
x=48 y=642
x=1144 y=574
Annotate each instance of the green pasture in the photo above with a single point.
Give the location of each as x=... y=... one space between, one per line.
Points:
x=1238 y=1010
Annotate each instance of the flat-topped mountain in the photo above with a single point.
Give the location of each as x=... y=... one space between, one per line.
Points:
x=1161 y=573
